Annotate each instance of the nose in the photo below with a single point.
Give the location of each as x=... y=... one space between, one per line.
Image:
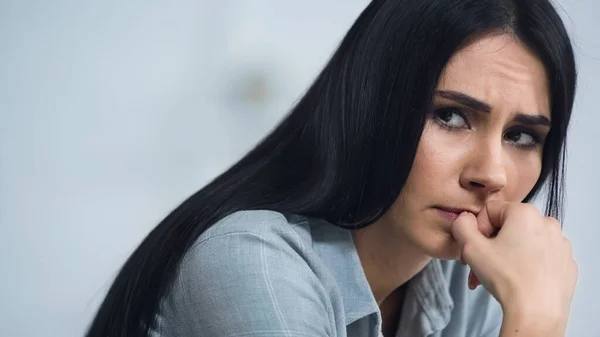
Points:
x=485 y=171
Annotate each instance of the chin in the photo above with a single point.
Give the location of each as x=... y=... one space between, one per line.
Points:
x=441 y=246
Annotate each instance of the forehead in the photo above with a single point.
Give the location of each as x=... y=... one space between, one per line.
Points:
x=499 y=70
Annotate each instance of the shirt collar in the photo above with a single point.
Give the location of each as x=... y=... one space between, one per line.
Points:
x=335 y=247
x=428 y=305
x=428 y=302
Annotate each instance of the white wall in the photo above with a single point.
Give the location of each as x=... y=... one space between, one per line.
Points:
x=111 y=112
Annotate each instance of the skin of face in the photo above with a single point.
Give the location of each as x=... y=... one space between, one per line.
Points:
x=478 y=143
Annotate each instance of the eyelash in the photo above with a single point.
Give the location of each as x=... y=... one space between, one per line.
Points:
x=436 y=114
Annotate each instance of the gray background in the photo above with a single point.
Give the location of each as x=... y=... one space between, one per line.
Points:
x=111 y=112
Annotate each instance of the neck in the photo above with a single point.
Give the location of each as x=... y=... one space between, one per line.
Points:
x=389 y=261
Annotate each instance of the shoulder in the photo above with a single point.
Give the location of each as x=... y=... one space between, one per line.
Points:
x=249 y=240
x=476 y=312
x=251 y=272
x=259 y=244
x=293 y=230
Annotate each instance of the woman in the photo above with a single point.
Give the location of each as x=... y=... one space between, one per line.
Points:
x=418 y=146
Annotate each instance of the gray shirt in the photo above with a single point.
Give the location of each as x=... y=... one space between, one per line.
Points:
x=262 y=273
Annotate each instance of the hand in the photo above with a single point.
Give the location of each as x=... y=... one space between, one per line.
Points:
x=528 y=266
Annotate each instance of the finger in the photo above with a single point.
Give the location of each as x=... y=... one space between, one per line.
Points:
x=465 y=228
x=485 y=225
x=474 y=245
x=492 y=217
x=553 y=222
x=473 y=282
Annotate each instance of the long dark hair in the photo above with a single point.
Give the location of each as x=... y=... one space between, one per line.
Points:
x=345 y=151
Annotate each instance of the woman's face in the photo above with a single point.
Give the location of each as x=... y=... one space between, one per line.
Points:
x=482 y=141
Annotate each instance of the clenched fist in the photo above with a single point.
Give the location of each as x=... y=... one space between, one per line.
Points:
x=523 y=259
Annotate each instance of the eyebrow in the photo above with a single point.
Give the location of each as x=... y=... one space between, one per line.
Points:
x=475 y=104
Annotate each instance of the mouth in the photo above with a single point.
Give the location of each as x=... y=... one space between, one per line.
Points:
x=451 y=213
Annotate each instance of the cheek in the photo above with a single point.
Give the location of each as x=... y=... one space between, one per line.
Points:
x=524 y=174
x=440 y=152
x=436 y=164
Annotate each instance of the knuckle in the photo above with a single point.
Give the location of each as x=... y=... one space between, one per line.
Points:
x=552 y=221
x=530 y=210
x=574 y=268
x=567 y=243
x=553 y=226
x=568 y=247
x=523 y=211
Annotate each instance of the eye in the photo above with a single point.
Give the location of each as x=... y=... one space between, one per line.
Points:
x=451 y=118
x=522 y=138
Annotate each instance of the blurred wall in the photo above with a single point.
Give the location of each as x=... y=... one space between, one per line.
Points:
x=583 y=182
x=112 y=112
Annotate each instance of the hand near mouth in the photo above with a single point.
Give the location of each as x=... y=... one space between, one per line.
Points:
x=521 y=258
x=489 y=230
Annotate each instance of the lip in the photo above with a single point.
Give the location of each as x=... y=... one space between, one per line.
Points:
x=451 y=213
